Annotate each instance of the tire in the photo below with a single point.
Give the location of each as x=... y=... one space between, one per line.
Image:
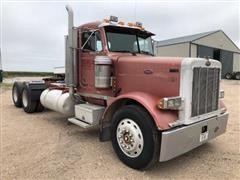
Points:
x=39 y=107
x=237 y=75
x=17 y=94
x=228 y=76
x=144 y=144
x=29 y=105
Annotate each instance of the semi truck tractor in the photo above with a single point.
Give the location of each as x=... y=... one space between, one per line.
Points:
x=233 y=75
x=151 y=108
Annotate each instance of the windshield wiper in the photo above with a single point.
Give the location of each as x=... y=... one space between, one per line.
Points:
x=133 y=53
x=145 y=52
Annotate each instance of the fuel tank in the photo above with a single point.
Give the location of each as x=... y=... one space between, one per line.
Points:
x=57 y=101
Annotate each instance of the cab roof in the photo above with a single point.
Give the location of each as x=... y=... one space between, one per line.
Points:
x=98 y=24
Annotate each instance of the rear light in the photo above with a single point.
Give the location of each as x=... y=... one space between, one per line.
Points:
x=173 y=103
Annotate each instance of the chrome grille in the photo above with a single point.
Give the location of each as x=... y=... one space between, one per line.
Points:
x=205 y=90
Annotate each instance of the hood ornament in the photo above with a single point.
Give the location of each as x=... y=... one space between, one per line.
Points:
x=208 y=62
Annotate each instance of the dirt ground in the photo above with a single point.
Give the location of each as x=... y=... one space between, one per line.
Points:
x=44 y=146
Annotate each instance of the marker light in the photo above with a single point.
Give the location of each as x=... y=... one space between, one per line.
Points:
x=106 y=20
x=114 y=18
x=221 y=94
x=173 y=103
x=121 y=23
x=139 y=24
x=130 y=24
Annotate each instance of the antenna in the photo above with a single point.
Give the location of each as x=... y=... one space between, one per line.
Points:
x=0 y=60
x=135 y=9
x=0 y=66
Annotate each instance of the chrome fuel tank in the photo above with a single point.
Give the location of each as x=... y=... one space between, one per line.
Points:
x=58 y=101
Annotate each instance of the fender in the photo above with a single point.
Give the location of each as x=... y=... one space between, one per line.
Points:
x=35 y=88
x=162 y=118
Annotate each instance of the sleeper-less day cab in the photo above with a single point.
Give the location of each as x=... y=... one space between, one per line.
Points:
x=151 y=108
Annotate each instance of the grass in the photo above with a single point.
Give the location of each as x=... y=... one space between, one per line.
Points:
x=12 y=74
x=25 y=74
x=6 y=86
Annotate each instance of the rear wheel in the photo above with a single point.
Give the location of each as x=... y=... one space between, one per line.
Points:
x=228 y=76
x=29 y=105
x=17 y=94
x=135 y=138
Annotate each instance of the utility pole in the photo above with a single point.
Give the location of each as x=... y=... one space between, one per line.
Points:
x=1 y=74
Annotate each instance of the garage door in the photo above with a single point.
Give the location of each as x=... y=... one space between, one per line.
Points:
x=227 y=62
x=225 y=57
x=203 y=52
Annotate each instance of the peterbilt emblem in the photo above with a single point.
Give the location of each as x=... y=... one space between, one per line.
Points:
x=148 y=71
x=207 y=63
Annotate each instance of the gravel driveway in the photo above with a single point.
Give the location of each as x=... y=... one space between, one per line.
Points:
x=44 y=146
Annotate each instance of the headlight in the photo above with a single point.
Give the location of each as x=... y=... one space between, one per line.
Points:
x=173 y=103
x=221 y=94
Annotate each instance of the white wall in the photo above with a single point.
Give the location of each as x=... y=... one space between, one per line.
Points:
x=236 y=62
x=217 y=40
x=176 y=50
x=193 y=50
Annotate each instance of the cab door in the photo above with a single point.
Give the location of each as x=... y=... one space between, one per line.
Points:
x=91 y=45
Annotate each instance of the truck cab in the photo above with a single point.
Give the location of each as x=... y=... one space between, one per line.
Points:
x=151 y=108
x=110 y=41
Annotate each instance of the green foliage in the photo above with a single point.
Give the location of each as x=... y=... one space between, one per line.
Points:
x=25 y=74
x=5 y=86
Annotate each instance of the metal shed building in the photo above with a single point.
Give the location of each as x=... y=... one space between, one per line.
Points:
x=214 y=44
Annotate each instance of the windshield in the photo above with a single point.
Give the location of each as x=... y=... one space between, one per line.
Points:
x=128 y=40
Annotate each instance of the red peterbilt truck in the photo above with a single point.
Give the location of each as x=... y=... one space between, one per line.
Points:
x=151 y=108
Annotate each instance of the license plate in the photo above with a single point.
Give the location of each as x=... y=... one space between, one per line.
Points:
x=203 y=136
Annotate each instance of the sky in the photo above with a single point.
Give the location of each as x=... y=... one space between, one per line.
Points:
x=32 y=32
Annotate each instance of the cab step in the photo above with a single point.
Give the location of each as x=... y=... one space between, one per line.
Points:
x=87 y=115
x=80 y=123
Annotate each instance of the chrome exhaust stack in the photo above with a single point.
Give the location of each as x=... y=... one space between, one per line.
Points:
x=71 y=63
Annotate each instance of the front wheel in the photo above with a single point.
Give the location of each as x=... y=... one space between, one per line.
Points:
x=135 y=137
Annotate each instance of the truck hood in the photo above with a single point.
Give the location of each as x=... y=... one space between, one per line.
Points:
x=155 y=75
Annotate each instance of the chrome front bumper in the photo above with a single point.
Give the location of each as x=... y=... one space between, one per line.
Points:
x=181 y=140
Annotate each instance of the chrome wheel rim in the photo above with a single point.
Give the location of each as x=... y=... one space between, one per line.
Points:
x=24 y=98
x=130 y=138
x=15 y=94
